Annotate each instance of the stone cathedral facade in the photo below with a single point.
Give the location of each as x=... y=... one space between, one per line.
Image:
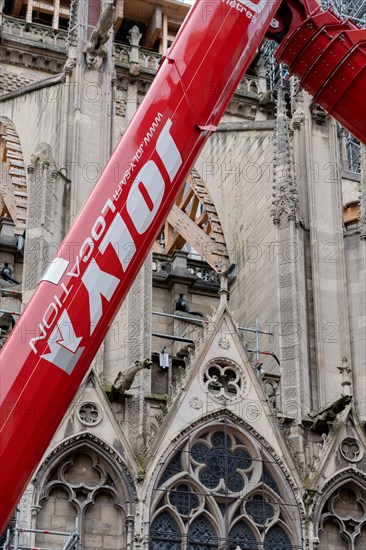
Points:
x=202 y=441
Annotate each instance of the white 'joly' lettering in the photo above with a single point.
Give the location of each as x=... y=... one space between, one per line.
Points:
x=143 y=203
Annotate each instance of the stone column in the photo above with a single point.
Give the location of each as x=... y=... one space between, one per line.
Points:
x=331 y=324
x=45 y=228
x=356 y=275
x=295 y=391
x=89 y=108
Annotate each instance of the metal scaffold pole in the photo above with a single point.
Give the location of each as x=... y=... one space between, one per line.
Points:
x=12 y=539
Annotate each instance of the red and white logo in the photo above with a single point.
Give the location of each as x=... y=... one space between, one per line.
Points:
x=255 y=5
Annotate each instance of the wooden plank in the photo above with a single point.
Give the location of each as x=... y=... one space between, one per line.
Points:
x=56 y=15
x=47 y=6
x=118 y=14
x=201 y=242
x=186 y=199
x=28 y=15
x=164 y=40
x=17 y=6
x=154 y=28
x=351 y=213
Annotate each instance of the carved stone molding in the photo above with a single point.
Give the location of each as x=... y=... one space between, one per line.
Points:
x=318 y=115
x=38 y=61
x=79 y=441
x=351 y=450
x=43 y=155
x=221 y=415
x=285 y=195
x=89 y=414
x=224 y=381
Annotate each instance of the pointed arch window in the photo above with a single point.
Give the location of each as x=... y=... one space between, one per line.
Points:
x=342 y=522
x=82 y=492
x=165 y=533
x=220 y=488
x=201 y=535
x=277 y=539
x=242 y=535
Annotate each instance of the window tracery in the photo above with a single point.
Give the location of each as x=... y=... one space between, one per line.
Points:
x=80 y=491
x=220 y=488
x=343 y=519
x=351 y=449
x=89 y=414
x=224 y=380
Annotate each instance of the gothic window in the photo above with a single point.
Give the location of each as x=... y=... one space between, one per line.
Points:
x=241 y=535
x=343 y=519
x=80 y=493
x=220 y=489
x=164 y=533
x=276 y=539
x=201 y=535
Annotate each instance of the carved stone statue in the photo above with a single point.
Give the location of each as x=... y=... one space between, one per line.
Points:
x=124 y=381
x=100 y=35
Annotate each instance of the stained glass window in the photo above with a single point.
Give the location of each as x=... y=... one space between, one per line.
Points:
x=164 y=533
x=277 y=539
x=259 y=510
x=241 y=535
x=268 y=480
x=224 y=496
x=183 y=500
x=174 y=467
x=201 y=535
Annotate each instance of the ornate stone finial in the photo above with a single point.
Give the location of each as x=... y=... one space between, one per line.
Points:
x=298 y=118
x=224 y=289
x=346 y=371
x=69 y=66
x=285 y=199
x=135 y=36
x=35 y=510
x=134 y=40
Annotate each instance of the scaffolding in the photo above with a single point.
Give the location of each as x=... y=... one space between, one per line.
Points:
x=12 y=542
x=278 y=76
x=354 y=9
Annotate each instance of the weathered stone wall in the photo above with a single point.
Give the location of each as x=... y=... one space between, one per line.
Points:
x=238 y=169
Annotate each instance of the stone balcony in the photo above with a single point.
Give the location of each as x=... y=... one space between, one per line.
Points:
x=34 y=34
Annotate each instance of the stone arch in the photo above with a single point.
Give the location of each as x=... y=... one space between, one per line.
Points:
x=85 y=483
x=13 y=184
x=221 y=479
x=340 y=514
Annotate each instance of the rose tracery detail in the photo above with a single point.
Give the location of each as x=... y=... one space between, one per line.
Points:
x=351 y=450
x=224 y=380
x=217 y=490
x=223 y=464
x=89 y=414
